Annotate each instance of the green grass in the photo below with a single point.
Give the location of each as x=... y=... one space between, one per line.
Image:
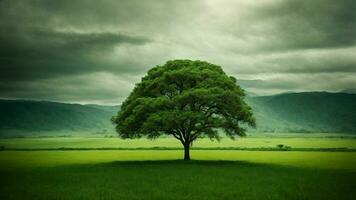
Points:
x=159 y=175
x=247 y=142
x=315 y=160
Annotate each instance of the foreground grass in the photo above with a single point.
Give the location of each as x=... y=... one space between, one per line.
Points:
x=317 y=160
x=213 y=175
x=178 y=180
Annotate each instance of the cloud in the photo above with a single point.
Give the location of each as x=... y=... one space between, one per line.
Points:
x=98 y=87
x=310 y=61
x=45 y=53
x=90 y=51
x=273 y=84
x=294 y=24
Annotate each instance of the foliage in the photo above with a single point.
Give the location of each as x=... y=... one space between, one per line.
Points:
x=186 y=99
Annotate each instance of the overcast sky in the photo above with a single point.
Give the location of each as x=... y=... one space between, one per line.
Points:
x=90 y=51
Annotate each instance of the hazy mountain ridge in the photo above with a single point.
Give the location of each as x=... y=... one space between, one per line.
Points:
x=349 y=91
x=289 y=112
x=42 y=116
x=305 y=112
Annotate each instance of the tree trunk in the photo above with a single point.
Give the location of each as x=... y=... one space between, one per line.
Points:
x=186 y=151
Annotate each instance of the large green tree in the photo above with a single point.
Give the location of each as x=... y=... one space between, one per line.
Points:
x=187 y=100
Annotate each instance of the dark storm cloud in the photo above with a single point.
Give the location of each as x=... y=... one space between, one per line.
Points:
x=33 y=46
x=45 y=45
x=99 y=87
x=45 y=53
x=285 y=25
x=41 y=39
x=300 y=62
x=95 y=51
x=124 y=15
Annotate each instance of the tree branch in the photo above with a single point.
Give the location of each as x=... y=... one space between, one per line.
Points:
x=177 y=136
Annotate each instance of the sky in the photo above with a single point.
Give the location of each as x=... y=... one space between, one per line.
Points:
x=91 y=51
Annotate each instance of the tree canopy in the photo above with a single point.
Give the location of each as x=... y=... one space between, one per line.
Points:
x=186 y=99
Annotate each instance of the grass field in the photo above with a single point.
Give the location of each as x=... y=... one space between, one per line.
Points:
x=247 y=142
x=160 y=174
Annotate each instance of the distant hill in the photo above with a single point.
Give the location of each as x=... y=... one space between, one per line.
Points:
x=19 y=117
x=349 y=91
x=305 y=112
x=289 y=112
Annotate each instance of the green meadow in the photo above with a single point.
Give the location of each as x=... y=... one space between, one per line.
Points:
x=161 y=174
x=268 y=141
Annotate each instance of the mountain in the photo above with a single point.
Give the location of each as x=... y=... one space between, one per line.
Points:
x=349 y=91
x=111 y=109
x=288 y=112
x=305 y=112
x=19 y=116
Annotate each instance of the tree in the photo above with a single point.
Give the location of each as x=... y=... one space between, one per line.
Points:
x=187 y=100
